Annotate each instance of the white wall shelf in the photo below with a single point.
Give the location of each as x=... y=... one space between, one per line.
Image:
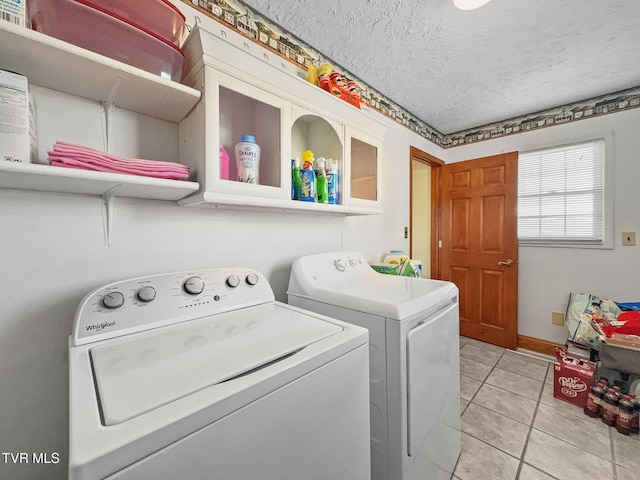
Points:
x=68 y=180
x=52 y=63
x=57 y=65
x=46 y=178
x=247 y=202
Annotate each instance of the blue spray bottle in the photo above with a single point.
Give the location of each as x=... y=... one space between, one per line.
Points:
x=308 y=185
x=332 y=181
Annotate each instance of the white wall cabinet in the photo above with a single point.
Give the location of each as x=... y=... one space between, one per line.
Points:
x=243 y=93
x=229 y=109
x=59 y=66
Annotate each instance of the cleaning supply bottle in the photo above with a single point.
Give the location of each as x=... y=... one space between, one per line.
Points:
x=224 y=164
x=332 y=181
x=248 y=160
x=296 y=179
x=308 y=178
x=322 y=191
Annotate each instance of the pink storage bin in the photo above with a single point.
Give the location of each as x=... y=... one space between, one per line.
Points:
x=157 y=17
x=99 y=32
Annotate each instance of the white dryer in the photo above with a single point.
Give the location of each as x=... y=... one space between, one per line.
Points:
x=414 y=358
x=203 y=375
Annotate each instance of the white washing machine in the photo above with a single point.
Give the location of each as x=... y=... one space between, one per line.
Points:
x=203 y=375
x=414 y=358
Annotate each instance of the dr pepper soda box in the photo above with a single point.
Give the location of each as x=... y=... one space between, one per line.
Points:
x=572 y=378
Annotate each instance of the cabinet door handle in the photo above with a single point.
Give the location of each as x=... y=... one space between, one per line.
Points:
x=507 y=263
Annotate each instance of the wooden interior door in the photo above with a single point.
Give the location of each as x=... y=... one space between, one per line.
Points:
x=479 y=246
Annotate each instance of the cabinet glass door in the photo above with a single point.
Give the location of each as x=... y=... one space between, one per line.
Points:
x=364 y=170
x=238 y=110
x=242 y=115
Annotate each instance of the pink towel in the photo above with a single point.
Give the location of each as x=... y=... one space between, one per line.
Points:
x=79 y=157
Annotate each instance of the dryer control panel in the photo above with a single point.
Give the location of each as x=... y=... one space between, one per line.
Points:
x=144 y=303
x=337 y=271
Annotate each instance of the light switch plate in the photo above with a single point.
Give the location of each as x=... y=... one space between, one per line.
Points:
x=629 y=239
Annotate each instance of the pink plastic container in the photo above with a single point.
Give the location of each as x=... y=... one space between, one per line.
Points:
x=95 y=30
x=156 y=17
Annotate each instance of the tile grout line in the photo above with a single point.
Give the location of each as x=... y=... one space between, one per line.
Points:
x=533 y=419
x=521 y=459
x=540 y=393
x=614 y=467
x=469 y=403
x=495 y=366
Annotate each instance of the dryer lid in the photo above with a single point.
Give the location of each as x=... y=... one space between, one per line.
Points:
x=353 y=284
x=142 y=372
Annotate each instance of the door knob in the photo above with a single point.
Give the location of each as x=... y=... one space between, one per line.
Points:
x=507 y=263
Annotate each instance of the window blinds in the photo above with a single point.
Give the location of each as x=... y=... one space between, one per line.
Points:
x=561 y=194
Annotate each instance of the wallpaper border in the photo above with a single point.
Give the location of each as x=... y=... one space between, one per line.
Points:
x=236 y=15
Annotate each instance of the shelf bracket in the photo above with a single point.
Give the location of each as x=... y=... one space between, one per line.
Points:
x=108 y=107
x=108 y=212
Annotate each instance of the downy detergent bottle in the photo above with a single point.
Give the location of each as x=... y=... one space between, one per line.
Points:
x=248 y=160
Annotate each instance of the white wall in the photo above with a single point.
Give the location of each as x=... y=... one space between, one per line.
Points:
x=53 y=253
x=548 y=275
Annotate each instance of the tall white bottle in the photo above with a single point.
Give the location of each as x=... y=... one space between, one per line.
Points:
x=248 y=160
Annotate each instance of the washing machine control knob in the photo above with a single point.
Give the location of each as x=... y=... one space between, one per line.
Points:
x=113 y=300
x=353 y=262
x=340 y=265
x=252 y=279
x=193 y=285
x=146 y=294
x=233 y=281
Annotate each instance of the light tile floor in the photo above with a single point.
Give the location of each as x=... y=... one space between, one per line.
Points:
x=514 y=428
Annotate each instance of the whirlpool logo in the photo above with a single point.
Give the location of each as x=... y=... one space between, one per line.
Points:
x=98 y=327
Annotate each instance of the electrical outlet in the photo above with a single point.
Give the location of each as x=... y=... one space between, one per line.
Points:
x=557 y=318
x=629 y=239
x=406 y=232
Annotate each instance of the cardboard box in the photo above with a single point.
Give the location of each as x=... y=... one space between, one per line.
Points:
x=15 y=144
x=13 y=11
x=572 y=378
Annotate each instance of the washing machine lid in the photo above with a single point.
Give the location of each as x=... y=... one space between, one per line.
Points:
x=139 y=373
x=356 y=286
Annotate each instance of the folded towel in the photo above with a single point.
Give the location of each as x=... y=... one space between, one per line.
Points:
x=79 y=165
x=79 y=157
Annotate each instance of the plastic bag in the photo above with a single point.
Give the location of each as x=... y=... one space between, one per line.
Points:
x=635 y=306
x=582 y=309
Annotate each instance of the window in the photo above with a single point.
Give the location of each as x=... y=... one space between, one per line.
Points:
x=561 y=196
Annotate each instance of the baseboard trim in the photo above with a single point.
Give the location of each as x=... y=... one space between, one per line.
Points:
x=537 y=345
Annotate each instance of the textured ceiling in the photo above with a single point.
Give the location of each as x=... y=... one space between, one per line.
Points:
x=458 y=70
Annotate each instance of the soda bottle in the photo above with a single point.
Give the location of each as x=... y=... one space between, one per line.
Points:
x=625 y=416
x=616 y=389
x=635 y=420
x=593 y=405
x=610 y=407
